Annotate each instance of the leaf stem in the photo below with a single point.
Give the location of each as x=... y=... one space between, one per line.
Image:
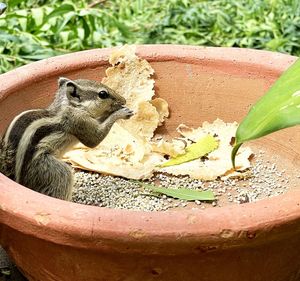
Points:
x=234 y=152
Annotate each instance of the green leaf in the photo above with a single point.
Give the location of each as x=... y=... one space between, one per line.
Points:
x=123 y=28
x=67 y=18
x=13 y=3
x=181 y=193
x=279 y=108
x=41 y=55
x=86 y=28
x=37 y=15
x=196 y=150
x=23 y=19
x=59 y=11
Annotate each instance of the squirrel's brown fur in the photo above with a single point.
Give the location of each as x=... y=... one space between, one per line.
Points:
x=83 y=110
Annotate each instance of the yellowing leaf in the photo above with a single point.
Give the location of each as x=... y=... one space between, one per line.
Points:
x=194 y=151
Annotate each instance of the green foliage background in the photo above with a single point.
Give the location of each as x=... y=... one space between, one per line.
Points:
x=36 y=29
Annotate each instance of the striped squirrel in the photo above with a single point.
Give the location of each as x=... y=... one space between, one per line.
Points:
x=82 y=110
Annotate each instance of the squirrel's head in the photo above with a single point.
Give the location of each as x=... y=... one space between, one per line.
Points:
x=91 y=96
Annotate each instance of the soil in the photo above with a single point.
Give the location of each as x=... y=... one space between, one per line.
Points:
x=268 y=177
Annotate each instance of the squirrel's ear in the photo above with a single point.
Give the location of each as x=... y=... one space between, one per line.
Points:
x=62 y=81
x=72 y=91
x=71 y=88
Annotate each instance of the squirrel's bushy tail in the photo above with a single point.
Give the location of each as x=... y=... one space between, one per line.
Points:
x=6 y=160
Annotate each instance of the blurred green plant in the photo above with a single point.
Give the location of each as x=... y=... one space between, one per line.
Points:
x=35 y=29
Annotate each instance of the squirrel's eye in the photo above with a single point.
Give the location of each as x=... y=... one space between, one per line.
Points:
x=103 y=94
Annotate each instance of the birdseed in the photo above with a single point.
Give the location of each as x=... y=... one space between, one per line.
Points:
x=264 y=180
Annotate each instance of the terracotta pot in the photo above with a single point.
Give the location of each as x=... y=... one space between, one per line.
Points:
x=50 y=239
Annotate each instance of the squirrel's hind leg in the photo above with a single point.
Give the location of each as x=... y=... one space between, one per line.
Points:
x=50 y=176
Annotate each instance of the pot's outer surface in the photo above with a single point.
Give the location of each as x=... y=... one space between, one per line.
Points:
x=50 y=239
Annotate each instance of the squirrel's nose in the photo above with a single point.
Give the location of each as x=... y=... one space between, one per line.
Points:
x=122 y=100
x=2 y=8
x=119 y=101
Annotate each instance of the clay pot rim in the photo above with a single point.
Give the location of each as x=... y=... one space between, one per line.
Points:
x=79 y=225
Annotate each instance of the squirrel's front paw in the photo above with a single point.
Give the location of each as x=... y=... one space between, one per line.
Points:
x=124 y=113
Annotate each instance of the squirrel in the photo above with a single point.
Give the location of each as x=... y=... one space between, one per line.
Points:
x=83 y=110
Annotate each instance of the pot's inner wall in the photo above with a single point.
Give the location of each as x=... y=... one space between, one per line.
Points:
x=195 y=93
